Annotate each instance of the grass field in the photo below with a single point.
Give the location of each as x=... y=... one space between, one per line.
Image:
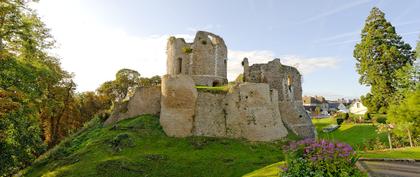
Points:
x=139 y=147
x=411 y=153
x=351 y=133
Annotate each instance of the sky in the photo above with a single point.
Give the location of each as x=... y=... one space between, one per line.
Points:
x=96 y=38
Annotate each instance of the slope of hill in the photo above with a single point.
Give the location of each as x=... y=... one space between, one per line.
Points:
x=139 y=147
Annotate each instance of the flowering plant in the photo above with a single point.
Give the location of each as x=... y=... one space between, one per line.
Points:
x=311 y=157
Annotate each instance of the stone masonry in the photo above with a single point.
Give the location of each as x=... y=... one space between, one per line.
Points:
x=205 y=59
x=265 y=107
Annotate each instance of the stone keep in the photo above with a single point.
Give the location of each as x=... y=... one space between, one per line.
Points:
x=205 y=59
x=262 y=108
x=287 y=81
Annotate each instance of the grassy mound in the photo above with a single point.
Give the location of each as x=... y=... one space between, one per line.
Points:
x=139 y=147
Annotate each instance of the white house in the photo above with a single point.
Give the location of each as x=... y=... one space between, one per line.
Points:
x=357 y=108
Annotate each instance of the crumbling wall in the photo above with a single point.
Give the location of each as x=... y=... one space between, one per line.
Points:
x=287 y=81
x=252 y=113
x=205 y=59
x=146 y=100
x=248 y=110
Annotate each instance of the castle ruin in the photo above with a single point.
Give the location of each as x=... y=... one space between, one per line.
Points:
x=205 y=59
x=266 y=106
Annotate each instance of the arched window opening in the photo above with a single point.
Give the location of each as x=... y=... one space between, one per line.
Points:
x=289 y=83
x=179 y=64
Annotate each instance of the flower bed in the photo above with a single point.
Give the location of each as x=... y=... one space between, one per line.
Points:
x=311 y=157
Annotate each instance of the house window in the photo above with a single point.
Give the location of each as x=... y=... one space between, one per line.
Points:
x=358 y=105
x=179 y=64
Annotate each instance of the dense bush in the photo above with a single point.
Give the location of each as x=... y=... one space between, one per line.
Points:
x=381 y=120
x=373 y=144
x=311 y=157
x=367 y=116
x=339 y=121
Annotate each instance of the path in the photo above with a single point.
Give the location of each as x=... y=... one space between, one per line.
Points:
x=391 y=168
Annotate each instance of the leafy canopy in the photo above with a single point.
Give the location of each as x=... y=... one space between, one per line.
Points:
x=381 y=57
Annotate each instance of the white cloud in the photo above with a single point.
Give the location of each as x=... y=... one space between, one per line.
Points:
x=235 y=58
x=305 y=65
x=95 y=52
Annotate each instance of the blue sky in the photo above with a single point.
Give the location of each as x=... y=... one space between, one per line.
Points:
x=98 y=37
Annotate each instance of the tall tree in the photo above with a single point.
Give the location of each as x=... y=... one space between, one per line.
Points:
x=125 y=83
x=28 y=78
x=380 y=55
x=418 y=48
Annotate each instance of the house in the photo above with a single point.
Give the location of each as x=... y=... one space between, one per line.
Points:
x=334 y=106
x=357 y=107
x=311 y=103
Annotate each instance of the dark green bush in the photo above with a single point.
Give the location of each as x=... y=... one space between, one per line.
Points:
x=381 y=120
x=367 y=116
x=339 y=121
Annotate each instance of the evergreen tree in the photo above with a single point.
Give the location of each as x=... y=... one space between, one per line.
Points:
x=381 y=57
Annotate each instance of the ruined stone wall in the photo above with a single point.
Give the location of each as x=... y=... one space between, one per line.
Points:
x=205 y=60
x=248 y=110
x=146 y=100
x=287 y=81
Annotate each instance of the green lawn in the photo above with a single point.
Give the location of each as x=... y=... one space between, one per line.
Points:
x=411 y=153
x=139 y=147
x=217 y=89
x=351 y=133
x=272 y=170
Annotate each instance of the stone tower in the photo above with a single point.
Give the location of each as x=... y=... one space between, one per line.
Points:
x=287 y=81
x=205 y=59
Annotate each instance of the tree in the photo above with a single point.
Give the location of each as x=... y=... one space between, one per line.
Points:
x=125 y=83
x=380 y=55
x=29 y=77
x=406 y=115
x=418 y=48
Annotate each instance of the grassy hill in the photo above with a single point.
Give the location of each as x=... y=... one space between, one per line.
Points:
x=139 y=147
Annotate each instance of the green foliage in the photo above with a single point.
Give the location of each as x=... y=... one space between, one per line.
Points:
x=367 y=116
x=125 y=83
x=339 y=121
x=418 y=49
x=373 y=144
x=381 y=120
x=406 y=115
x=187 y=50
x=218 y=89
x=151 y=153
x=320 y=158
x=382 y=61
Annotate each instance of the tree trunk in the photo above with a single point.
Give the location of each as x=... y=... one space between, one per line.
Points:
x=409 y=137
x=389 y=140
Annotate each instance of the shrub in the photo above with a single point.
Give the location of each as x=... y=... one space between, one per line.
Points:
x=373 y=144
x=187 y=50
x=339 y=121
x=381 y=120
x=367 y=116
x=311 y=157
